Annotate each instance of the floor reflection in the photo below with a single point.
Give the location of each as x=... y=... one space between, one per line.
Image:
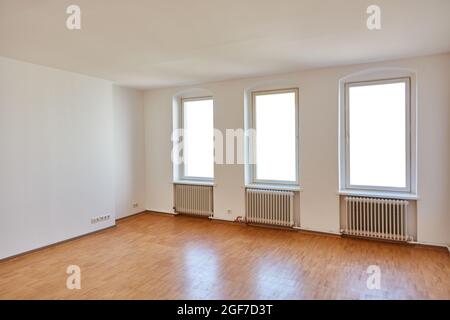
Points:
x=201 y=271
x=277 y=280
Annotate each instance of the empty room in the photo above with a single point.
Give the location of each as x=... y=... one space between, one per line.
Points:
x=221 y=151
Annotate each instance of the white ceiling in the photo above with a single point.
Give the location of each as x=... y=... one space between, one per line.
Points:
x=159 y=43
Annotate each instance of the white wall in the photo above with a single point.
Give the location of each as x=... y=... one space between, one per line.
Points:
x=319 y=202
x=129 y=151
x=433 y=218
x=56 y=161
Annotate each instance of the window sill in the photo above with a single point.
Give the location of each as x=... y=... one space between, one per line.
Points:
x=195 y=182
x=274 y=187
x=379 y=194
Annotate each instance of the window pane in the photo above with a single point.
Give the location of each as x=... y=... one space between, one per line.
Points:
x=275 y=136
x=377 y=129
x=198 y=139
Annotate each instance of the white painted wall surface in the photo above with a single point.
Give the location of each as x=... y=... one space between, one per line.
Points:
x=158 y=146
x=129 y=156
x=56 y=155
x=433 y=219
x=319 y=202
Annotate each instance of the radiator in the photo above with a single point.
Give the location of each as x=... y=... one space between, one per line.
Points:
x=193 y=199
x=270 y=207
x=377 y=218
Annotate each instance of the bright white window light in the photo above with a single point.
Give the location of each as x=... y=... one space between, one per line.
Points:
x=198 y=139
x=377 y=135
x=275 y=124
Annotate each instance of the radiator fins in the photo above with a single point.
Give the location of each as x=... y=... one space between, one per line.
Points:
x=377 y=218
x=193 y=199
x=271 y=207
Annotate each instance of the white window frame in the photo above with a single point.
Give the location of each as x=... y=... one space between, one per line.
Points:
x=182 y=172
x=408 y=134
x=252 y=118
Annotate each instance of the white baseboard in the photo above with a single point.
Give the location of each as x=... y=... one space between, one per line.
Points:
x=220 y=219
x=163 y=212
x=432 y=244
x=41 y=247
x=335 y=233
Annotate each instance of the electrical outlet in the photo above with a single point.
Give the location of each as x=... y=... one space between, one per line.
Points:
x=229 y=211
x=100 y=218
x=135 y=205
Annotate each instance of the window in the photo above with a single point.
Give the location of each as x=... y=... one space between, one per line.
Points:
x=198 y=138
x=378 y=137
x=275 y=119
